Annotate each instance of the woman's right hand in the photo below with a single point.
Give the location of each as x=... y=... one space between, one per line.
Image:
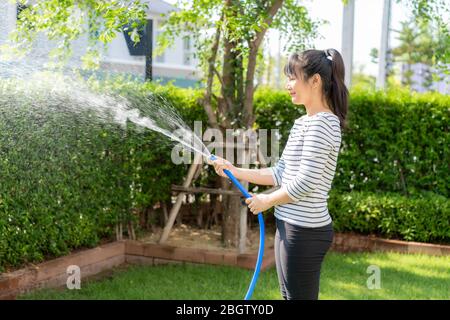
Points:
x=220 y=164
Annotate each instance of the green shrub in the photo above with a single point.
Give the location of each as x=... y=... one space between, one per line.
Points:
x=67 y=178
x=424 y=217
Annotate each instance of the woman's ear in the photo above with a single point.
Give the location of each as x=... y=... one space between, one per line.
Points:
x=316 y=80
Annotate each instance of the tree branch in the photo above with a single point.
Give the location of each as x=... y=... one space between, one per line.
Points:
x=227 y=100
x=211 y=70
x=271 y=12
x=251 y=65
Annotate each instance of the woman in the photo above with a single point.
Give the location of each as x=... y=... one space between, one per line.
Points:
x=304 y=230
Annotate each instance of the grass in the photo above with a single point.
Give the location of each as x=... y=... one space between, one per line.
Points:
x=344 y=276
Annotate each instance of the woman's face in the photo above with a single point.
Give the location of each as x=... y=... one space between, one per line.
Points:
x=299 y=89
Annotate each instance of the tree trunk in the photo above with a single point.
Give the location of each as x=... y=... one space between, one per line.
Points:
x=230 y=221
x=165 y=213
x=249 y=117
x=235 y=107
x=216 y=206
x=230 y=110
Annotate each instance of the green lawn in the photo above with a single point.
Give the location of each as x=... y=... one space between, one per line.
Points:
x=344 y=276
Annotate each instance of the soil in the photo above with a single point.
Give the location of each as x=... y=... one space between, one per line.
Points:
x=192 y=237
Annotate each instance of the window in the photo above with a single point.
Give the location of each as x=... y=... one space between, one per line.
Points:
x=187 y=43
x=20 y=8
x=187 y=46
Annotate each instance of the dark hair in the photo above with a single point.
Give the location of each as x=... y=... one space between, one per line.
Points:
x=330 y=66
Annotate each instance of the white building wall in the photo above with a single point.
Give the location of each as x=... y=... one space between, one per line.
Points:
x=7 y=19
x=117 y=57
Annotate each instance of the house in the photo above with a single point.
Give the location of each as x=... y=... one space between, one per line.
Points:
x=177 y=63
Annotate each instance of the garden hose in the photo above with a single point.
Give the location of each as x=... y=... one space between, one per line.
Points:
x=261 y=233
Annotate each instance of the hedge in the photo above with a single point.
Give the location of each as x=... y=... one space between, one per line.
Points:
x=67 y=177
x=424 y=217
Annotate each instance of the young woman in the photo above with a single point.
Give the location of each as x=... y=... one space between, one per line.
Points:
x=304 y=230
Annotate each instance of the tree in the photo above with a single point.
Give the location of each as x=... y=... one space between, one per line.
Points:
x=228 y=54
x=435 y=13
x=424 y=38
x=417 y=44
x=65 y=21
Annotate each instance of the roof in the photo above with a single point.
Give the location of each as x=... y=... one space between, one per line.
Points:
x=159 y=6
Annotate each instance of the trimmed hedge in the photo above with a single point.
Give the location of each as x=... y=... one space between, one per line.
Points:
x=67 y=178
x=424 y=217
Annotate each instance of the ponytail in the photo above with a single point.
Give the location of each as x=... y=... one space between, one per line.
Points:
x=338 y=94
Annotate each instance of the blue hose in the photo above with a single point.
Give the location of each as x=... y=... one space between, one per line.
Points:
x=251 y=287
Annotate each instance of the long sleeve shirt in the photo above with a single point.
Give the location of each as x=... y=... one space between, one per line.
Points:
x=306 y=169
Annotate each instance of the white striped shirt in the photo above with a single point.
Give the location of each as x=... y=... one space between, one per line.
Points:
x=306 y=169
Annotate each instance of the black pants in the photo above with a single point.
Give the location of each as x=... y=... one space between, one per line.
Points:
x=299 y=253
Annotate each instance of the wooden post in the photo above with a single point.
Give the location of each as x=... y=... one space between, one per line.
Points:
x=176 y=207
x=262 y=161
x=244 y=209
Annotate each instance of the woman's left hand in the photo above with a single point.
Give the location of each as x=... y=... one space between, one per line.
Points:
x=258 y=203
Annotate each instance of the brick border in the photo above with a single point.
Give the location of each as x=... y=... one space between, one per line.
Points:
x=345 y=242
x=52 y=273
x=93 y=261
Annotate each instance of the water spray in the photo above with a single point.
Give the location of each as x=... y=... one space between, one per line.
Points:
x=252 y=285
x=73 y=96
